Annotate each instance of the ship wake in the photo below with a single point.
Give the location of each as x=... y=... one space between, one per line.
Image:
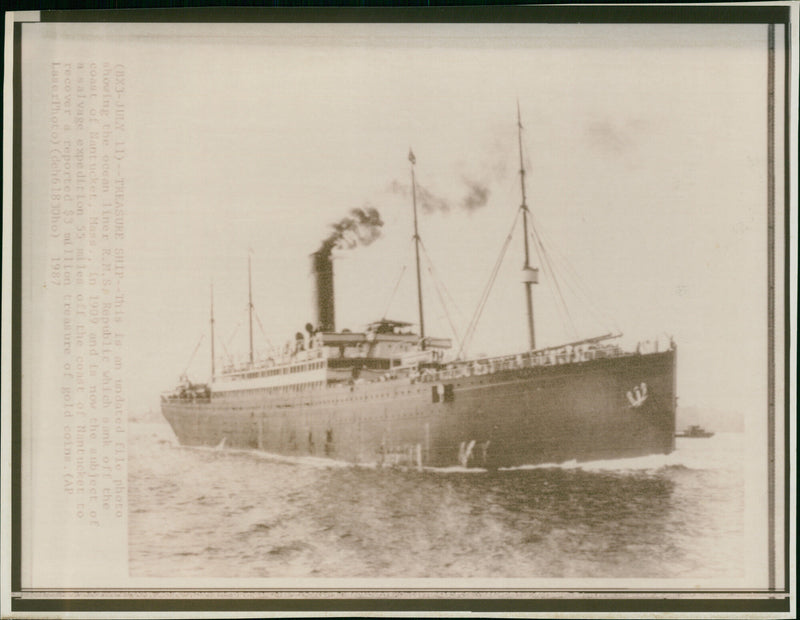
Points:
x=679 y=459
x=652 y=462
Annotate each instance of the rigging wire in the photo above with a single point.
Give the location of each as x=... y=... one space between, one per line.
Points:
x=396 y=286
x=484 y=297
x=547 y=266
x=548 y=263
x=555 y=262
x=446 y=313
x=553 y=270
x=228 y=355
x=438 y=286
x=235 y=330
x=593 y=311
x=576 y=284
x=545 y=258
x=439 y=280
x=191 y=358
x=263 y=333
x=230 y=339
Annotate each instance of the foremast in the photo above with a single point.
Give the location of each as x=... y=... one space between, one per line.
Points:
x=529 y=274
x=212 y=333
x=250 y=305
x=413 y=161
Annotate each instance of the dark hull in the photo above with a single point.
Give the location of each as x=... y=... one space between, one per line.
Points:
x=544 y=414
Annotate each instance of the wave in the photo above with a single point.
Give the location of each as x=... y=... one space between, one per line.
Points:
x=681 y=458
x=651 y=462
x=312 y=461
x=456 y=469
x=673 y=461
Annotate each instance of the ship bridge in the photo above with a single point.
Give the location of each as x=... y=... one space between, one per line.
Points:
x=386 y=346
x=384 y=349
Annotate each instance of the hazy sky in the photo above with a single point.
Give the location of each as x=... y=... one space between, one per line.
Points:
x=645 y=149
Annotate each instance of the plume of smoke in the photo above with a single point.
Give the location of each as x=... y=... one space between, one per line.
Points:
x=403 y=189
x=430 y=202
x=426 y=199
x=476 y=197
x=361 y=227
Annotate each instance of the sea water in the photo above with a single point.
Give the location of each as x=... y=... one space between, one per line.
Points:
x=204 y=512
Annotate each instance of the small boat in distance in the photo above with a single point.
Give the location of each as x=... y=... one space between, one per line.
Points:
x=696 y=431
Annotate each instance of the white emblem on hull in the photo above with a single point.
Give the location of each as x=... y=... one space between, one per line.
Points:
x=638 y=395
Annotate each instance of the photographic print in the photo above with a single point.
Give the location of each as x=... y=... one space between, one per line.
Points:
x=413 y=306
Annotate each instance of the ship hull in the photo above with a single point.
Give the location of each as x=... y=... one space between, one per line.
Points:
x=600 y=409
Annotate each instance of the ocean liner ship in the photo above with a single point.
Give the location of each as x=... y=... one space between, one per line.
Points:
x=390 y=396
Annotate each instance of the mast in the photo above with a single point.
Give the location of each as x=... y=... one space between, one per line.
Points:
x=212 y=331
x=530 y=274
x=413 y=161
x=250 y=305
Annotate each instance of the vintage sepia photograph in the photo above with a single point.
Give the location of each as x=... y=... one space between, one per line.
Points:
x=429 y=305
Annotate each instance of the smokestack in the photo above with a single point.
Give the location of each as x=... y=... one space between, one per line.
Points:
x=322 y=271
x=361 y=227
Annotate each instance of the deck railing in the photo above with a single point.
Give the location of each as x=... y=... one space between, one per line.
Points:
x=531 y=359
x=485 y=366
